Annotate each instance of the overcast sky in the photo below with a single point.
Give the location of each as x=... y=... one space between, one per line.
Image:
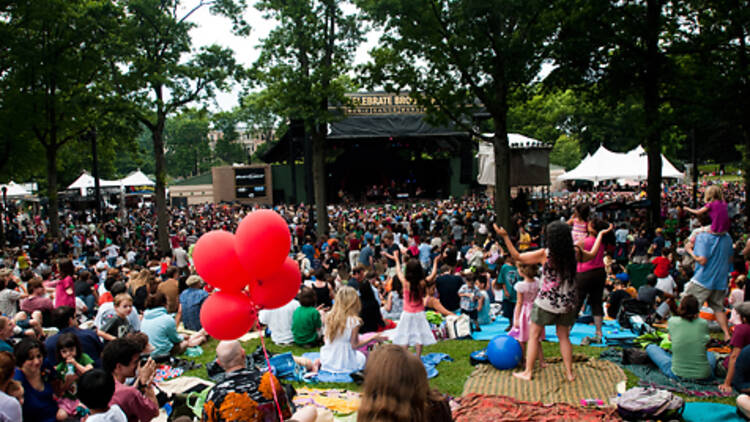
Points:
x=218 y=30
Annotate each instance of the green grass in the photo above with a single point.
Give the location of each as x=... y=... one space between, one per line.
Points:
x=452 y=375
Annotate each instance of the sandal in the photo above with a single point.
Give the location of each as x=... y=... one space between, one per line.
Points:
x=591 y=340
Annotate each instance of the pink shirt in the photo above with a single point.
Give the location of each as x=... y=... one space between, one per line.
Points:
x=36 y=303
x=62 y=298
x=133 y=403
x=719 y=216
x=597 y=262
x=410 y=305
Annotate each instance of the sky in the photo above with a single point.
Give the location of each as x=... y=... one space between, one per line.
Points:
x=218 y=30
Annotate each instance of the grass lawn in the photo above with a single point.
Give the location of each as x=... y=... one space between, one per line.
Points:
x=452 y=375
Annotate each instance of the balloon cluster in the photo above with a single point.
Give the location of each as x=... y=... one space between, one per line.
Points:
x=252 y=270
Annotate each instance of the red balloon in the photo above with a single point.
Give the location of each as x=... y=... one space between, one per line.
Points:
x=216 y=261
x=262 y=242
x=228 y=315
x=279 y=288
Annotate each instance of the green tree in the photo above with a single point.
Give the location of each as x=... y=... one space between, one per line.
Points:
x=301 y=64
x=449 y=53
x=227 y=149
x=186 y=143
x=566 y=152
x=56 y=55
x=164 y=75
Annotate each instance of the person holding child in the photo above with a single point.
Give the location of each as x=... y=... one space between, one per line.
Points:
x=413 y=328
x=557 y=299
x=527 y=291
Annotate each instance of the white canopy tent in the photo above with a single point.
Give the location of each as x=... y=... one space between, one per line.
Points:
x=608 y=165
x=14 y=190
x=86 y=181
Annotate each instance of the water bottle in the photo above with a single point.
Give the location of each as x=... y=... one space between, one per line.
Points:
x=71 y=369
x=592 y=402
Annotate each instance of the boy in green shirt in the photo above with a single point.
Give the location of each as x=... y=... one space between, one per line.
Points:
x=306 y=320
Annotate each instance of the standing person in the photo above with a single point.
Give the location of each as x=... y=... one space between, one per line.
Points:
x=590 y=279
x=469 y=294
x=508 y=278
x=413 y=328
x=556 y=302
x=527 y=290
x=65 y=287
x=712 y=255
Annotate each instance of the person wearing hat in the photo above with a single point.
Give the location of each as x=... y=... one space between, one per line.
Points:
x=737 y=364
x=191 y=300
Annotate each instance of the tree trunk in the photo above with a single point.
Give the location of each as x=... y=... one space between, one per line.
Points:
x=502 y=172
x=54 y=218
x=744 y=104
x=651 y=108
x=319 y=182
x=162 y=219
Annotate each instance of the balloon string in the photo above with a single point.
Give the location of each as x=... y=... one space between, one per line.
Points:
x=270 y=375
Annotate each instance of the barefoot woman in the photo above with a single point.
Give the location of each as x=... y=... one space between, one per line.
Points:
x=556 y=302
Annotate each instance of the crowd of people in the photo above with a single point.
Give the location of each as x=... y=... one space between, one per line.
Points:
x=86 y=315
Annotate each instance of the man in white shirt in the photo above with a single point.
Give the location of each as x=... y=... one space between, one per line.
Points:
x=279 y=321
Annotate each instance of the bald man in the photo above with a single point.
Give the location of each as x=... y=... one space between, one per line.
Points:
x=243 y=383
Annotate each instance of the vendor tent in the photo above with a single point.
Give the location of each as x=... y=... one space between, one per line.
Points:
x=137 y=178
x=608 y=165
x=14 y=190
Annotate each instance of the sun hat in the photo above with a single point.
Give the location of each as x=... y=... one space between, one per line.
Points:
x=193 y=280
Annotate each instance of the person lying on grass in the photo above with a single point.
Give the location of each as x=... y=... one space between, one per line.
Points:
x=557 y=298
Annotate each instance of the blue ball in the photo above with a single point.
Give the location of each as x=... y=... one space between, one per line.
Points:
x=504 y=352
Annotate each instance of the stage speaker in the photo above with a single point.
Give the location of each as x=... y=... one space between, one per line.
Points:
x=467 y=162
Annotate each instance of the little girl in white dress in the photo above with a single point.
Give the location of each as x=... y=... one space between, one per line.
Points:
x=339 y=355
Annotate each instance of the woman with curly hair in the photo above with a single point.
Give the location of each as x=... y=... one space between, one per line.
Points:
x=396 y=389
x=557 y=299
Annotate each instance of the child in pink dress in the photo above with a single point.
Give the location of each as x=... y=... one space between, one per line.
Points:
x=527 y=291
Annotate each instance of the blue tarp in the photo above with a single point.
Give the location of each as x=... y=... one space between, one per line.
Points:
x=613 y=333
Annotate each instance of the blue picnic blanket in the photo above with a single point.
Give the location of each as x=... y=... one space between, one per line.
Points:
x=430 y=361
x=613 y=333
x=705 y=411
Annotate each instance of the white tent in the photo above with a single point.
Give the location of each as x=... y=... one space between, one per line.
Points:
x=14 y=190
x=86 y=181
x=137 y=178
x=608 y=165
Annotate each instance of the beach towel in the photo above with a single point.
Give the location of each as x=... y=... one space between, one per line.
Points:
x=595 y=379
x=478 y=407
x=338 y=401
x=430 y=361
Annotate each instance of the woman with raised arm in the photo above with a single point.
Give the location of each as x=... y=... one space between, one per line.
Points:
x=557 y=299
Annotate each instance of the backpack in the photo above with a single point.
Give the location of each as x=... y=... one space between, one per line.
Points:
x=630 y=308
x=648 y=403
x=458 y=327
